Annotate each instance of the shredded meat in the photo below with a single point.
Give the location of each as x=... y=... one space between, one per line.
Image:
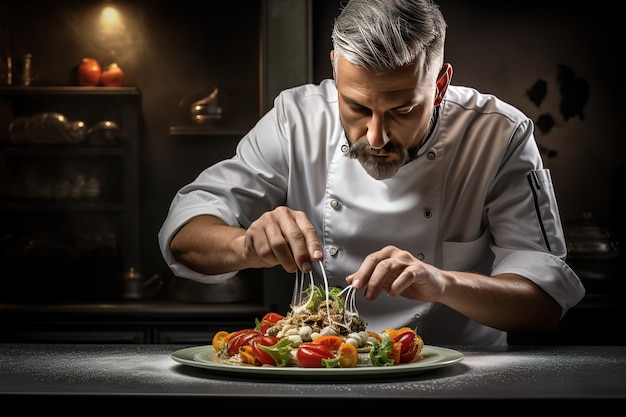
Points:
x=342 y=323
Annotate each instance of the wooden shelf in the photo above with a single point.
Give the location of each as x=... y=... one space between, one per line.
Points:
x=203 y=131
x=60 y=149
x=68 y=90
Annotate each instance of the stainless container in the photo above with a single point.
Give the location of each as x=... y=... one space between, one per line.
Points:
x=593 y=252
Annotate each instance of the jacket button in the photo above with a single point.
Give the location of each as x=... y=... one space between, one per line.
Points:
x=334 y=204
x=333 y=250
x=345 y=148
x=427 y=213
x=420 y=256
x=431 y=155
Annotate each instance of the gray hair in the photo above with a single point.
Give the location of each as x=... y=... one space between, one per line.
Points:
x=380 y=35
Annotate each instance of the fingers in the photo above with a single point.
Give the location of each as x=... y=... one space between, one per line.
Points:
x=286 y=237
x=276 y=235
x=308 y=251
x=390 y=270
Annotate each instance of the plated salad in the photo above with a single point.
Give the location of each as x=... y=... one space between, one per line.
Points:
x=323 y=330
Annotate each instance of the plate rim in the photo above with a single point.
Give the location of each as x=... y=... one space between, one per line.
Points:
x=434 y=357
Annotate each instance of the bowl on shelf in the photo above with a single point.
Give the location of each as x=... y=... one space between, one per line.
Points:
x=104 y=133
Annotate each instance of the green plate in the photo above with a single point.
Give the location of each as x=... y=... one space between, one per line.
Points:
x=204 y=357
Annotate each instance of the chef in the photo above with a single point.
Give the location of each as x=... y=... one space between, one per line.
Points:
x=428 y=198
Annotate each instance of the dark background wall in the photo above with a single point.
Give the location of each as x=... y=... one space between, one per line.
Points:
x=175 y=52
x=504 y=48
x=510 y=49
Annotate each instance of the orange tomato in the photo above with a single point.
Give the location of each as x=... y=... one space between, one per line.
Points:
x=331 y=342
x=393 y=333
x=219 y=340
x=396 y=352
x=247 y=356
x=348 y=355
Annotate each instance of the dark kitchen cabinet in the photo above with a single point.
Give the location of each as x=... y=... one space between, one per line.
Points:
x=69 y=197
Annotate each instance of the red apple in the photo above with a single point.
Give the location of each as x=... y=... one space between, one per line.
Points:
x=113 y=76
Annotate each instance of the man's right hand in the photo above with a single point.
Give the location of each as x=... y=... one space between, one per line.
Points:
x=283 y=237
x=279 y=237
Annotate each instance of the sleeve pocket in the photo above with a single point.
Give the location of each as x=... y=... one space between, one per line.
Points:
x=547 y=211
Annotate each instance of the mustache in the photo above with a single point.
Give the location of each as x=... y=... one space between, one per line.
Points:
x=379 y=163
x=362 y=146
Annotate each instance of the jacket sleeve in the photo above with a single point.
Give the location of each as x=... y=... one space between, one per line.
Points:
x=526 y=225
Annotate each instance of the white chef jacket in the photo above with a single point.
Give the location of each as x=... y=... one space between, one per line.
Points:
x=477 y=198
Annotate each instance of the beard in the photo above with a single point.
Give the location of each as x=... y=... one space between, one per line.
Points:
x=382 y=163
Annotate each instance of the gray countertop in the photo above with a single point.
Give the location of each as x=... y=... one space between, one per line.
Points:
x=146 y=377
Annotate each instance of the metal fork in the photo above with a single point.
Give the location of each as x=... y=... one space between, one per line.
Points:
x=348 y=293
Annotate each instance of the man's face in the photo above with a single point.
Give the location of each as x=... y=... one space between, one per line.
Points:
x=385 y=116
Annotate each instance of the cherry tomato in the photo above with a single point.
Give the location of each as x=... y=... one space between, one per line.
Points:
x=263 y=357
x=331 y=342
x=409 y=345
x=220 y=339
x=396 y=332
x=273 y=317
x=310 y=355
x=240 y=338
x=348 y=355
x=247 y=357
x=396 y=352
x=269 y=320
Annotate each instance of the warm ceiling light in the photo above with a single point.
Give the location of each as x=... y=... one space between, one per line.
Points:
x=110 y=19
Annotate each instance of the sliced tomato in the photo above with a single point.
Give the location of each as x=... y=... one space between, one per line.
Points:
x=240 y=338
x=272 y=317
x=247 y=357
x=393 y=333
x=409 y=345
x=310 y=355
x=331 y=342
x=219 y=340
x=396 y=351
x=348 y=355
x=262 y=356
x=269 y=320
